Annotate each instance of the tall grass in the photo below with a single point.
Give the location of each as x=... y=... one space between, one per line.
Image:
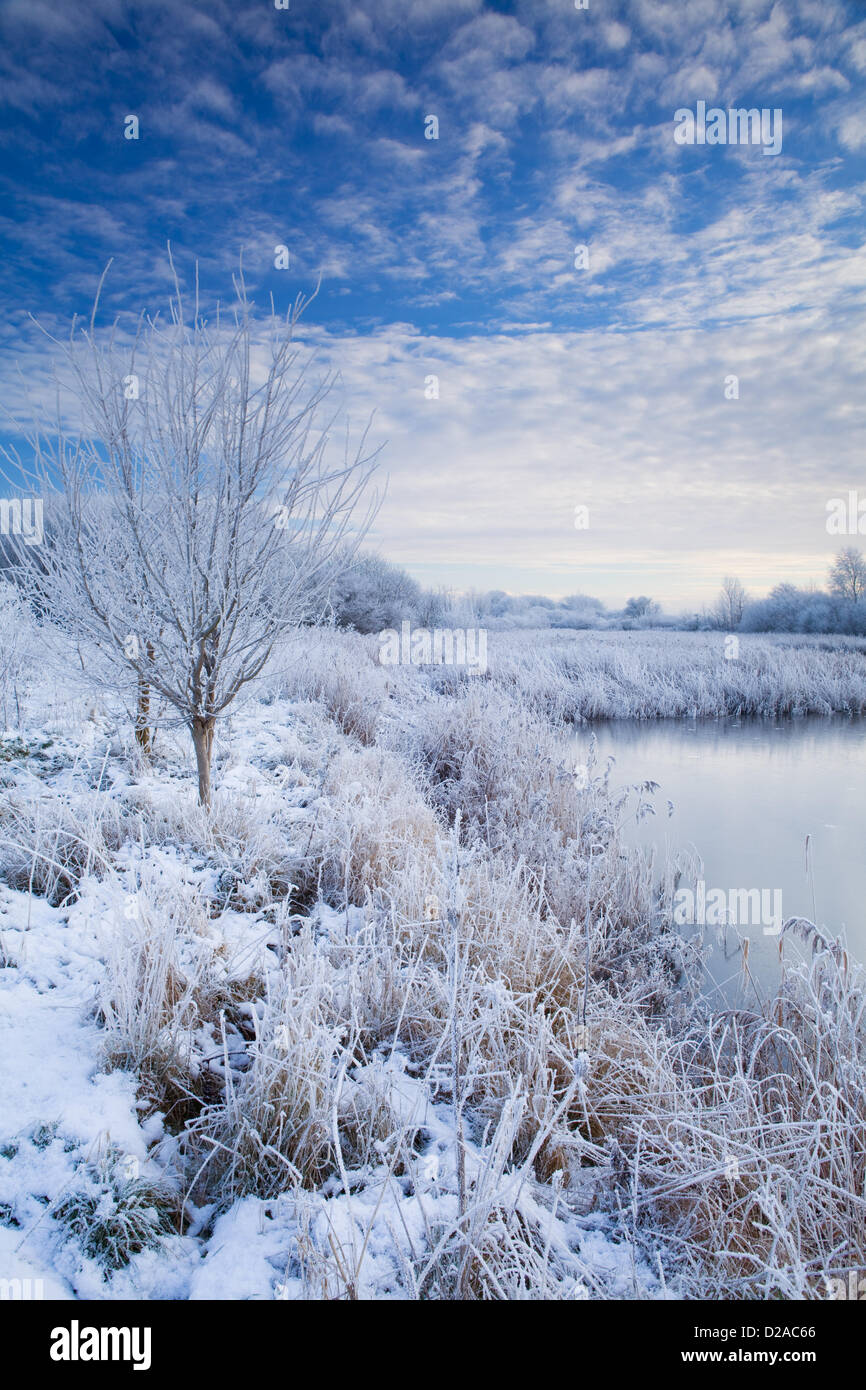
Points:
x=454 y=945
x=655 y=675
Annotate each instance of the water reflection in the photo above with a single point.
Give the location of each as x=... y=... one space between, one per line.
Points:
x=778 y=806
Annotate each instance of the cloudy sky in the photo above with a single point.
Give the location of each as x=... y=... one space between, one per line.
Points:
x=449 y=264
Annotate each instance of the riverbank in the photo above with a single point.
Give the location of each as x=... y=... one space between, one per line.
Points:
x=404 y=1018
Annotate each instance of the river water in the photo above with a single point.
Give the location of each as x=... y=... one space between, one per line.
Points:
x=746 y=795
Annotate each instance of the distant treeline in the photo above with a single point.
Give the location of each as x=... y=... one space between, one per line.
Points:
x=789 y=609
x=372 y=594
x=375 y=594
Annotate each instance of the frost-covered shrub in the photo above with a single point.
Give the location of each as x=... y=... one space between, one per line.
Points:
x=113 y=1213
x=375 y=594
x=292 y=1115
x=748 y=1143
x=340 y=673
x=370 y=816
x=49 y=844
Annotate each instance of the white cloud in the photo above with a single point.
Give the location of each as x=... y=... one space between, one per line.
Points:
x=677 y=478
x=852 y=130
x=615 y=35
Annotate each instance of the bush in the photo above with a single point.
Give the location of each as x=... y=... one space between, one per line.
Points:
x=374 y=595
x=115 y=1214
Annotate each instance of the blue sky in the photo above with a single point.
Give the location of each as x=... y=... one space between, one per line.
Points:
x=601 y=386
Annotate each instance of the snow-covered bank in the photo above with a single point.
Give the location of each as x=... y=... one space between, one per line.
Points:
x=339 y=1039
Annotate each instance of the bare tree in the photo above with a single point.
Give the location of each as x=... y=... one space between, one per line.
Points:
x=196 y=516
x=731 y=603
x=848 y=574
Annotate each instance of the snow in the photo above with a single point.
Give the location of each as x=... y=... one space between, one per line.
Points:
x=60 y=1107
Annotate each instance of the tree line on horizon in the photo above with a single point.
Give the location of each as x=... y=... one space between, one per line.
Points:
x=370 y=594
x=374 y=594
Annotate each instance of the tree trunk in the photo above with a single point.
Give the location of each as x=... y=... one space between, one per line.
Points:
x=142 y=714
x=142 y=717
x=202 y=737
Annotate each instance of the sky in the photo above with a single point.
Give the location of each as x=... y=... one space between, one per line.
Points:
x=678 y=400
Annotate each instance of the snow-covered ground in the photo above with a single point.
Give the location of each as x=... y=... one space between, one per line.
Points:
x=337 y=1040
x=70 y=1124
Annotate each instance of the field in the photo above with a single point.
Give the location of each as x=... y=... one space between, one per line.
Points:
x=402 y=1017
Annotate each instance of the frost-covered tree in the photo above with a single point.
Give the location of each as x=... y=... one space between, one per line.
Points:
x=196 y=517
x=731 y=603
x=578 y=610
x=373 y=594
x=641 y=607
x=848 y=574
x=789 y=609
